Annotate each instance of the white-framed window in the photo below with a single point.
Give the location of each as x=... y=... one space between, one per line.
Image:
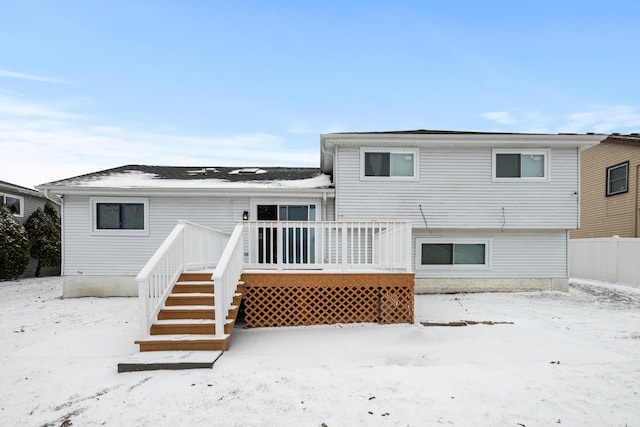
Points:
x=14 y=203
x=120 y=216
x=618 y=179
x=379 y=163
x=521 y=164
x=454 y=254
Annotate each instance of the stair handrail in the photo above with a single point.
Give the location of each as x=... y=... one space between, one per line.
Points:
x=160 y=273
x=226 y=277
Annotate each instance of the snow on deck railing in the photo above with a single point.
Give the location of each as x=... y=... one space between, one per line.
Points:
x=384 y=245
x=226 y=277
x=188 y=247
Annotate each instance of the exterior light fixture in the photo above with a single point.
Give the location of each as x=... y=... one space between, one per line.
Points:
x=245 y=216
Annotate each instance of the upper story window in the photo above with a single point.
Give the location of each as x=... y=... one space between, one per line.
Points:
x=452 y=254
x=120 y=215
x=14 y=203
x=618 y=179
x=516 y=165
x=389 y=163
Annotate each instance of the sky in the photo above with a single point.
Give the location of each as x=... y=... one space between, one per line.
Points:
x=87 y=86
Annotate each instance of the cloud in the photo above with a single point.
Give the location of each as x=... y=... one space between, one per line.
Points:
x=32 y=77
x=16 y=107
x=500 y=117
x=604 y=119
x=617 y=118
x=42 y=144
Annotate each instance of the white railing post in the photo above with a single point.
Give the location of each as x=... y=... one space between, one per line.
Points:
x=345 y=246
x=407 y=246
x=225 y=278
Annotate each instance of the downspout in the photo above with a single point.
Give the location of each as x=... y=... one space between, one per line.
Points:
x=324 y=205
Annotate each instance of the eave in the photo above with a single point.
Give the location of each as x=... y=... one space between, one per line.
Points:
x=188 y=192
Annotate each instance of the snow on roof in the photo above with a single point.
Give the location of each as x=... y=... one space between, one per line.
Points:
x=214 y=178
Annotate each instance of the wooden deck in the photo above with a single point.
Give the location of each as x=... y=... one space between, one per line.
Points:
x=279 y=298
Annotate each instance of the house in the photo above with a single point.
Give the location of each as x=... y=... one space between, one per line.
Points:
x=387 y=214
x=610 y=188
x=21 y=201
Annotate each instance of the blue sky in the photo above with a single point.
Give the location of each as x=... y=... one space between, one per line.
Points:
x=88 y=85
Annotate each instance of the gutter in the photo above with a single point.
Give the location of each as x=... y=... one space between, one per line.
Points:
x=196 y=192
x=47 y=195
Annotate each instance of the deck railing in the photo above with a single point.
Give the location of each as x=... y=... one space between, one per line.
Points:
x=329 y=245
x=188 y=247
x=226 y=277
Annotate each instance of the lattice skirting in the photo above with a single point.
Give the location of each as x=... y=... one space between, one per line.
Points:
x=296 y=299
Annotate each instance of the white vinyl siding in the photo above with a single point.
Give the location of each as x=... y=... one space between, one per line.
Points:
x=91 y=254
x=521 y=253
x=456 y=190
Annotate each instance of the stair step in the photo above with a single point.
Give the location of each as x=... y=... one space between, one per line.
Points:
x=203 y=275
x=172 y=360
x=191 y=298
x=183 y=342
x=193 y=287
x=189 y=326
x=193 y=312
x=187 y=312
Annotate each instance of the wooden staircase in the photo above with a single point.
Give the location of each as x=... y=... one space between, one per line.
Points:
x=186 y=321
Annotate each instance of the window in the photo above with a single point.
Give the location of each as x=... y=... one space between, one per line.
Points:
x=398 y=163
x=515 y=165
x=14 y=203
x=120 y=216
x=452 y=253
x=618 y=179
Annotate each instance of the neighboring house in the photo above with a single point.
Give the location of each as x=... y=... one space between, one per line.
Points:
x=22 y=201
x=484 y=211
x=610 y=188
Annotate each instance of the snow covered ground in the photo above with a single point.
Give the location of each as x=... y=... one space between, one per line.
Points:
x=569 y=359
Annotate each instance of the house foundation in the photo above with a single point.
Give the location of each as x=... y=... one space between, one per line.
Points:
x=518 y=284
x=99 y=286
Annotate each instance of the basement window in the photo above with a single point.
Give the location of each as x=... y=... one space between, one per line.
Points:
x=452 y=254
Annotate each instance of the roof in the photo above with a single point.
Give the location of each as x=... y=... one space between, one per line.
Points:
x=20 y=189
x=632 y=139
x=444 y=132
x=193 y=177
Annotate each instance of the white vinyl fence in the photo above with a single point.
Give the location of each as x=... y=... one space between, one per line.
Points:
x=608 y=259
